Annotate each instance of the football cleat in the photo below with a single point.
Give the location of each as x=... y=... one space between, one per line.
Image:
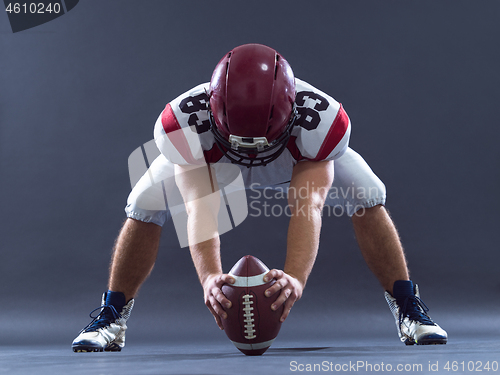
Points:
x=413 y=323
x=107 y=329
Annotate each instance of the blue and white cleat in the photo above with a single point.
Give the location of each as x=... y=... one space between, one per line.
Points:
x=413 y=323
x=107 y=330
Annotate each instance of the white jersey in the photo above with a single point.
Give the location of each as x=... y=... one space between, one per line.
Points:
x=182 y=135
x=321 y=133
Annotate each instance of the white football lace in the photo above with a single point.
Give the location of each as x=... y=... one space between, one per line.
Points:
x=248 y=315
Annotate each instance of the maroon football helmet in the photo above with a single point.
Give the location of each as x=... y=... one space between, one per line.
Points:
x=252 y=110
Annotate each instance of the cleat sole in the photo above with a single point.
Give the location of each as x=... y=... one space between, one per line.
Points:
x=90 y=350
x=86 y=347
x=113 y=348
x=432 y=340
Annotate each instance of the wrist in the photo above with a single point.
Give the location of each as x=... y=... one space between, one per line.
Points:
x=301 y=280
x=205 y=278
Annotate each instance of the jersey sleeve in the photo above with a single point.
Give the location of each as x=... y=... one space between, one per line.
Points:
x=337 y=139
x=323 y=127
x=182 y=130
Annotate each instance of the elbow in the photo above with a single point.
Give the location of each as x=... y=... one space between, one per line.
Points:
x=206 y=207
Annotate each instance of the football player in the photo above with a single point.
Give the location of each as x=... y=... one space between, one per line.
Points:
x=279 y=131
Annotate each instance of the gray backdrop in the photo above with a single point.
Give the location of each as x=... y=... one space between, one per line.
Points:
x=419 y=80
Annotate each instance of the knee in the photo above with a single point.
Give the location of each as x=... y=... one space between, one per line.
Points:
x=368 y=198
x=147 y=204
x=138 y=223
x=372 y=190
x=363 y=213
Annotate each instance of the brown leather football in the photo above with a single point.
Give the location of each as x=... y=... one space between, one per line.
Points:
x=251 y=325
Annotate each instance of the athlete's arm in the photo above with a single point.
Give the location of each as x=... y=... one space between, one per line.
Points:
x=201 y=196
x=309 y=188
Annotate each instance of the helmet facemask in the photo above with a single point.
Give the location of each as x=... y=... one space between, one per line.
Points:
x=246 y=150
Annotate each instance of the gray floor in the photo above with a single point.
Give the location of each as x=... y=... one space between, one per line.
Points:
x=337 y=355
x=342 y=347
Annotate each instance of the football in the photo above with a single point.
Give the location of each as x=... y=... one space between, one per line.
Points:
x=251 y=325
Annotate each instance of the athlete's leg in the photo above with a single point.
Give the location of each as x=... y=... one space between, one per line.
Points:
x=380 y=245
x=363 y=195
x=136 y=247
x=133 y=257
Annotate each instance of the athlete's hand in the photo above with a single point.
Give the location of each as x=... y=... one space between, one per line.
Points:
x=214 y=298
x=291 y=290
